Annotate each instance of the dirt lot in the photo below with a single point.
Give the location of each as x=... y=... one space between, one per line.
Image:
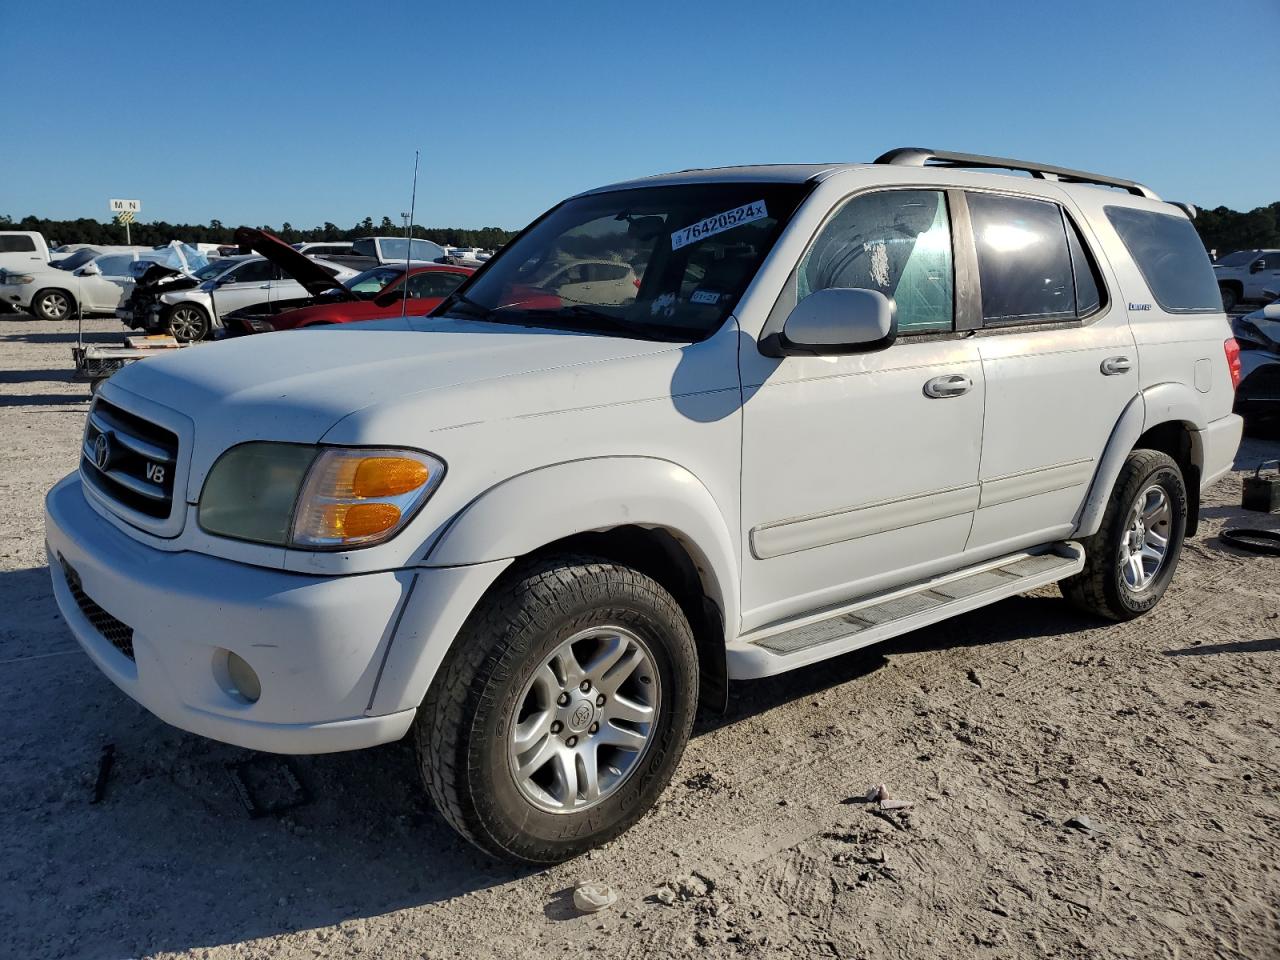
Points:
x=1001 y=725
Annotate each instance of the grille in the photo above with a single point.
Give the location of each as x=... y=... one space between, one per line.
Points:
x=129 y=459
x=118 y=634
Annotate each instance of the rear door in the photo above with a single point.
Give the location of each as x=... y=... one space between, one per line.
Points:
x=1060 y=366
x=860 y=472
x=249 y=284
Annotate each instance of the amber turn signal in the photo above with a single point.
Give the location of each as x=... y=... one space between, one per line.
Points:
x=388 y=477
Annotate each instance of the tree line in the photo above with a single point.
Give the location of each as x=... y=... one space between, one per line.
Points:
x=1221 y=229
x=88 y=230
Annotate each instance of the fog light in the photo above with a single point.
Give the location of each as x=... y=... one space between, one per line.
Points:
x=243 y=678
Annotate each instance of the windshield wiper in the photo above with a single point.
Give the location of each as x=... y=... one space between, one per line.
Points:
x=480 y=311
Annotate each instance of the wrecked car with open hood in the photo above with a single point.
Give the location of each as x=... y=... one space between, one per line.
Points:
x=192 y=306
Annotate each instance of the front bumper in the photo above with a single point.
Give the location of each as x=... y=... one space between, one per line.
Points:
x=317 y=644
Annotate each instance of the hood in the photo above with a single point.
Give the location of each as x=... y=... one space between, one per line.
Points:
x=296 y=385
x=314 y=278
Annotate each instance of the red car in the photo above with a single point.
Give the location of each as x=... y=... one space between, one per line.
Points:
x=377 y=293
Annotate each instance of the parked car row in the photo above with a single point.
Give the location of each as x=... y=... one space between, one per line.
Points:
x=87 y=280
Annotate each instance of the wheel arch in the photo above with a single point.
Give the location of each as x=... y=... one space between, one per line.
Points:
x=1166 y=417
x=71 y=296
x=647 y=513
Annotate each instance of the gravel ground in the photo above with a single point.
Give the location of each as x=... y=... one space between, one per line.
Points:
x=1001 y=725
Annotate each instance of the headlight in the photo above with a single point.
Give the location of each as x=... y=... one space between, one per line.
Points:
x=18 y=278
x=316 y=498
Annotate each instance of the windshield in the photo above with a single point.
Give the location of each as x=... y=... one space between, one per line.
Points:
x=372 y=282
x=77 y=259
x=213 y=269
x=658 y=262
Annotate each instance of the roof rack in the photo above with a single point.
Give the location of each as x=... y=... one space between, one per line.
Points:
x=919 y=157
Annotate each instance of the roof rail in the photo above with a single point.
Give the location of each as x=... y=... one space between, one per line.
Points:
x=920 y=157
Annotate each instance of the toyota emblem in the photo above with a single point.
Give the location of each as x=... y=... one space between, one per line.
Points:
x=102 y=451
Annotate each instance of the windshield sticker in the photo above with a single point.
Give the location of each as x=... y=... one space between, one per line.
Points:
x=704 y=296
x=718 y=223
x=664 y=305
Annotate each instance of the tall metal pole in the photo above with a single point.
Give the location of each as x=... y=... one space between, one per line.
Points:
x=413 y=201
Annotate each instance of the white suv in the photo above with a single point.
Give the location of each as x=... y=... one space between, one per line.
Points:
x=537 y=528
x=1247 y=275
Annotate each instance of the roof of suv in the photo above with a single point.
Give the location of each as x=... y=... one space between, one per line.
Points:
x=908 y=157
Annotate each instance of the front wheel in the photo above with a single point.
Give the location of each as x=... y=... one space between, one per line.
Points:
x=562 y=710
x=52 y=305
x=1130 y=561
x=189 y=323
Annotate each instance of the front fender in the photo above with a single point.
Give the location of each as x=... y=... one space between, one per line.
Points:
x=533 y=509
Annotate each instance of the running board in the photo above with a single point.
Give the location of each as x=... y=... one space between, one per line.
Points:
x=831 y=632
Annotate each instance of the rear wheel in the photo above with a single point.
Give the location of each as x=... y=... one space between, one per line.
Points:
x=561 y=712
x=52 y=305
x=188 y=322
x=1229 y=298
x=1130 y=561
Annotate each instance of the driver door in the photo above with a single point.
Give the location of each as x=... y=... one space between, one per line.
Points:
x=860 y=473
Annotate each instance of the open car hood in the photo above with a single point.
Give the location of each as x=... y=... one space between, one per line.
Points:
x=313 y=277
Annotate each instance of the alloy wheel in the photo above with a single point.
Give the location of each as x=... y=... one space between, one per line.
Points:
x=55 y=306
x=1145 y=542
x=584 y=720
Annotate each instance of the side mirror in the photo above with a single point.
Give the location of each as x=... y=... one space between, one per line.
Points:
x=834 y=321
x=1257 y=266
x=90 y=270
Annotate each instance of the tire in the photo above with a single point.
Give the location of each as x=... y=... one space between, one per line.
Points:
x=499 y=679
x=1111 y=584
x=53 y=304
x=1229 y=298
x=188 y=322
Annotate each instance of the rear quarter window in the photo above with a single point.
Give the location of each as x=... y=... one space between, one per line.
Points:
x=1171 y=257
x=17 y=244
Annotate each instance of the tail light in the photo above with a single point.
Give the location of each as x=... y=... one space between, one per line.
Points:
x=1233 y=360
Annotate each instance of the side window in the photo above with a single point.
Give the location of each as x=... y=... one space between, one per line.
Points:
x=434 y=284
x=895 y=241
x=1024 y=261
x=117 y=266
x=255 y=271
x=1088 y=281
x=1171 y=257
x=17 y=244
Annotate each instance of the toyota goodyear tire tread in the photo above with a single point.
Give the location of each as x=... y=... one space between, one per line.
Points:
x=461 y=729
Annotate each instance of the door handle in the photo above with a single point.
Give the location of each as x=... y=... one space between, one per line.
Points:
x=952 y=385
x=264 y=286
x=1114 y=365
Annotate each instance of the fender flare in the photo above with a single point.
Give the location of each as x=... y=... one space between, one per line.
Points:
x=530 y=510
x=1162 y=403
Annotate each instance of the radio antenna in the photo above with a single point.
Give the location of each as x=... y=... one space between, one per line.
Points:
x=408 y=247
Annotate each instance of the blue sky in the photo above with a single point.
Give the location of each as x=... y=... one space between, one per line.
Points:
x=268 y=112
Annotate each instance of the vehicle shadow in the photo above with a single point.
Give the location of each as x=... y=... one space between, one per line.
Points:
x=44 y=399
x=89 y=336
x=1269 y=645
x=172 y=830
